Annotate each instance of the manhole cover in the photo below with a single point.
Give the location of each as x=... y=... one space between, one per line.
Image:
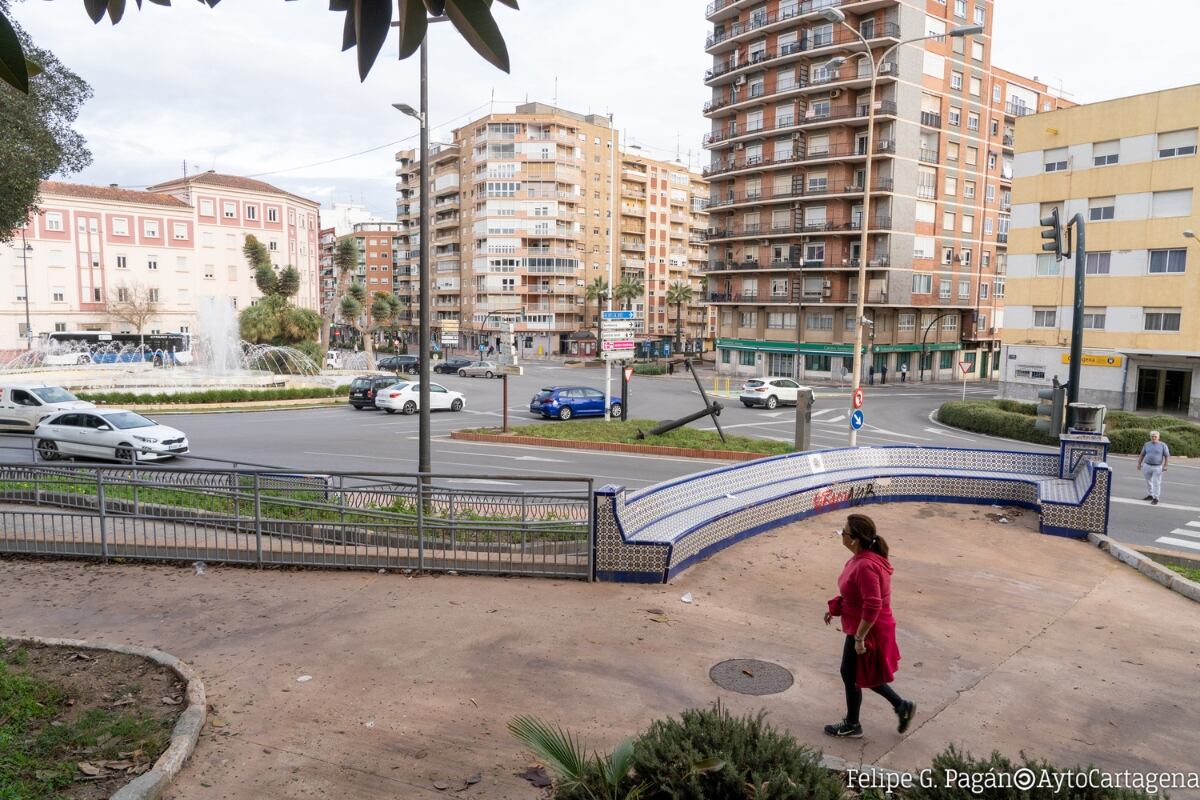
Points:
x=749 y=676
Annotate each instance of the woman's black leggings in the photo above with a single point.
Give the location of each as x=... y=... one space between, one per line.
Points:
x=853 y=693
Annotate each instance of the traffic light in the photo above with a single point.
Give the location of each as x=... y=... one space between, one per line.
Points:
x=1051 y=405
x=1052 y=232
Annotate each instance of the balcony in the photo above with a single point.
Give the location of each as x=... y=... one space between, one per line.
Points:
x=1001 y=238
x=749 y=298
x=813 y=226
x=1014 y=110
x=762 y=20
x=635 y=246
x=931 y=120
x=929 y=156
x=855 y=112
x=1008 y=140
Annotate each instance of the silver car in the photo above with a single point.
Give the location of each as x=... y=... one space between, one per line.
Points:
x=110 y=434
x=480 y=369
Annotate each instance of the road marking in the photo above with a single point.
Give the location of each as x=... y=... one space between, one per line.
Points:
x=948 y=435
x=579 y=451
x=1178 y=542
x=823 y=411
x=1194 y=524
x=1136 y=502
x=884 y=432
x=478 y=480
x=515 y=458
x=1185 y=532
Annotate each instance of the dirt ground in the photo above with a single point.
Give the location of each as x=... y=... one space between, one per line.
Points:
x=1011 y=640
x=96 y=679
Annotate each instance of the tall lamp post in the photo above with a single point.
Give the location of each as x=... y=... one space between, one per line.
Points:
x=837 y=16
x=424 y=444
x=26 y=249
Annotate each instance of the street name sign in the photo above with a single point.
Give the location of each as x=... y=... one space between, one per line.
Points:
x=604 y=315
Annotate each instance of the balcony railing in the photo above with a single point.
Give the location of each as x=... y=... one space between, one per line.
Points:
x=929 y=156
x=749 y=298
x=929 y=119
x=1008 y=140
x=815 y=226
x=1014 y=110
x=1002 y=238
x=832 y=151
x=761 y=20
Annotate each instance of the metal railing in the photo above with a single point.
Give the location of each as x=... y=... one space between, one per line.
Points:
x=256 y=515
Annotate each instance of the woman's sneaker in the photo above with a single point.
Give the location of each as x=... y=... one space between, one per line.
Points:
x=905 y=711
x=845 y=730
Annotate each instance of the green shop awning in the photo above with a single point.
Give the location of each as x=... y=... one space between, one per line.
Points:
x=916 y=348
x=808 y=348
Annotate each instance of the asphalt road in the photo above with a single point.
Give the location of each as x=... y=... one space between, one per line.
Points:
x=343 y=439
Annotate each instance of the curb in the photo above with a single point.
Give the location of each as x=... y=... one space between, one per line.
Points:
x=152 y=784
x=1147 y=566
x=609 y=447
x=226 y=408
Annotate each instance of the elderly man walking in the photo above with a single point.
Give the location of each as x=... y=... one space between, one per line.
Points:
x=1153 y=463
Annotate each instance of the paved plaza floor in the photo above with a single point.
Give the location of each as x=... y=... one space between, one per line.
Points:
x=1010 y=640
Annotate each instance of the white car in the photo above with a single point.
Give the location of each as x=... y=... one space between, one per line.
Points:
x=24 y=405
x=770 y=392
x=406 y=397
x=108 y=433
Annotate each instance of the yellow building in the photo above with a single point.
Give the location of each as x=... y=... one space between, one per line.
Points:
x=1129 y=167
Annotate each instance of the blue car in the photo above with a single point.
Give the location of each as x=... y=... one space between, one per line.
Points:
x=565 y=402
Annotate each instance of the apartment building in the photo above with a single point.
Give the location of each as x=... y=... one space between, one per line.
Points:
x=1129 y=167
x=789 y=144
x=522 y=222
x=91 y=245
x=227 y=208
x=661 y=229
x=330 y=284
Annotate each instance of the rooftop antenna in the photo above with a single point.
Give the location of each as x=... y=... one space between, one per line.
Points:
x=676 y=145
x=185 y=168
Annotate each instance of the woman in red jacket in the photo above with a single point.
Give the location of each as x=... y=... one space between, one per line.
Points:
x=870 y=656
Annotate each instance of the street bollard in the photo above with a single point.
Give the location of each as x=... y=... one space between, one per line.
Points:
x=804 y=404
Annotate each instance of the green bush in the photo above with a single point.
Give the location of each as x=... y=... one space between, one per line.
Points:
x=709 y=753
x=989 y=772
x=1017 y=407
x=649 y=369
x=1126 y=440
x=987 y=417
x=211 y=396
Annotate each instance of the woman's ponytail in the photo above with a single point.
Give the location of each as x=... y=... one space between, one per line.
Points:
x=862 y=529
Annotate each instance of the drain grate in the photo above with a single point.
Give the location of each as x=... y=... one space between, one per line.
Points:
x=750 y=676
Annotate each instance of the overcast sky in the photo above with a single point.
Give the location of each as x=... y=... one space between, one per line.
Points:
x=260 y=87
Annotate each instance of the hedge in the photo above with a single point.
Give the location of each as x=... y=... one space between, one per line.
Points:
x=649 y=369
x=1126 y=432
x=211 y=396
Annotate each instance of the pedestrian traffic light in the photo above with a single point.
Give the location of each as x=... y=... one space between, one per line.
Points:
x=1053 y=234
x=1051 y=405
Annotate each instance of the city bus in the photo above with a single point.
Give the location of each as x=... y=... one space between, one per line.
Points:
x=104 y=347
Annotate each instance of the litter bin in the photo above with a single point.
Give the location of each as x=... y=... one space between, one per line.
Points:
x=1087 y=417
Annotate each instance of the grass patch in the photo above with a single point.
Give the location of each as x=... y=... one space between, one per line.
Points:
x=1191 y=573
x=41 y=740
x=212 y=396
x=1014 y=420
x=626 y=433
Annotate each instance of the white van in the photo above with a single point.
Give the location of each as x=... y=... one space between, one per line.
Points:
x=24 y=405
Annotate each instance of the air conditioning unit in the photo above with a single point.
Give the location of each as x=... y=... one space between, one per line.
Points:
x=827 y=286
x=740 y=80
x=827 y=292
x=887 y=68
x=741 y=145
x=835 y=94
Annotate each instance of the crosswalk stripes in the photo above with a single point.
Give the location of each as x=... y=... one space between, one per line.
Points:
x=1192 y=531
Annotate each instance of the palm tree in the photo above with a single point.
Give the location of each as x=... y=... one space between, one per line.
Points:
x=384 y=308
x=678 y=294
x=345 y=258
x=596 y=290
x=628 y=290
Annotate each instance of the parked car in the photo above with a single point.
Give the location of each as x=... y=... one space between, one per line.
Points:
x=409 y=364
x=406 y=397
x=565 y=402
x=480 y=369
x=24 y=405
x=110 y=433
x=451 y=365
x=365 y=388
x=770 y=392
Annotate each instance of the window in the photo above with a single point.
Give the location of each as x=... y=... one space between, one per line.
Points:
x=990 y=193
x=955 y=117
x=60 y=326
x=58 y=294
x=975 y=84
x=951 y=186
x=273 y=244
x=1101 y=209
x=230 y=210
x=956 y=81
x=1171 y=204
x=946 y=359
x=122 y=294
x=988 y=226
x=150 y=229
x=998 y=287
x=922 y=283
x=947 y=255
x=749 y=319
x=964 y=290
x=965 y=257
x=979 y=15
x=968 y=225
x=1163 y=319
x=152 y=295
x=972 y=120
x=996 y=93
x=179 y=230
x=950 y=323
x=1106 y=153
x=781 y=319
x=944 y=289
x=1056 y=160
x=1177 y=143
x=819 y=320
x=1168 y=261
x=122 y=262
x=1097 y=263
x=906 y=322
x=1044 y=317
x=960 y=8
x=209 y=272
x=54 y=221
x=746 y=358
x=952 y=151
x=251 y=212
x=1093 y=318
x=983 y=290
x=181 y=263
x=206 y=208
x=725 y=356
x=817 y=363
x=120 y=226
x=1047 y=264
x=152 y=262
x=977 y=52
x=948 y=220
x=272 y=215
x=972 y=156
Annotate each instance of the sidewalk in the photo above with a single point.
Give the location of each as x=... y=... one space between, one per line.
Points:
x=1011 y=641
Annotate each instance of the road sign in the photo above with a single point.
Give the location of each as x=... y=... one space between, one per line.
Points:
x=449 y=338
x=616 y=355
x=618 y=344
x=857 y=419
x=858 y=398
x=616 y=315
x=449 y=324
x=483 y=348
x=628 y=374
x=966 y=366
x=622 y=325
x=510 y=369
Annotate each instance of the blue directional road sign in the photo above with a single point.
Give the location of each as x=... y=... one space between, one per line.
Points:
x=857 y=419
x=617 y=315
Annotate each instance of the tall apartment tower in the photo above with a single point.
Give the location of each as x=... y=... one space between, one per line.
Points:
x=788 y=153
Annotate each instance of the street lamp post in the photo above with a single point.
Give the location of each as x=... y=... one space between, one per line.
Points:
x=835 y=15
x=925 y=337
x=26 y=249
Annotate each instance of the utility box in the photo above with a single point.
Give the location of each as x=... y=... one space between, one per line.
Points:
x=1051 y=409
